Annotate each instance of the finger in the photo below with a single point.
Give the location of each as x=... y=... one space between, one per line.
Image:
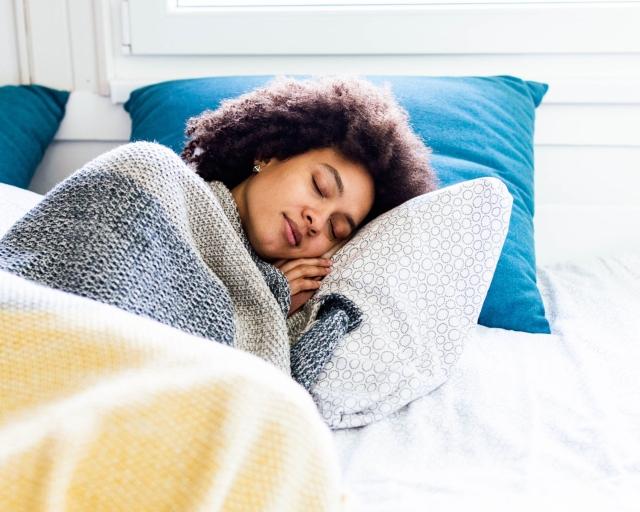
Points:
x=291 y=264
x=307 y=271
x=301 y=285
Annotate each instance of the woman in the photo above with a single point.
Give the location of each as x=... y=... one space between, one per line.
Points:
x=290 y=171
x=309 y=162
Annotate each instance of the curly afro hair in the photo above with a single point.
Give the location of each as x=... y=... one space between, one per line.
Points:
x=287 y=117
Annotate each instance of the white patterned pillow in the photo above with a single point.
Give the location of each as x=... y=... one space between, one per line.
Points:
x=420 y=274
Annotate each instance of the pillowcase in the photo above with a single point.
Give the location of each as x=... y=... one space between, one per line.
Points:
x=419 y=273
x=29 y=118
x=476 y=126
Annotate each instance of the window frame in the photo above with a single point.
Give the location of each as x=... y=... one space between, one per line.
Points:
x=161 y=28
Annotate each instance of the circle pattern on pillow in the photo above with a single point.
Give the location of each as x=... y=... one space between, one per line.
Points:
x=419 y=274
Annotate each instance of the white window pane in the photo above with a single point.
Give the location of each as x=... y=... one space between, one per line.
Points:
x=163 y=28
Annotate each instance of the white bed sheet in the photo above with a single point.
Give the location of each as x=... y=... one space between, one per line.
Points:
x=526 y=421
x=14 y=203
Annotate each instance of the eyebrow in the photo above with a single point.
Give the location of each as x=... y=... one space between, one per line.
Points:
x=340 y=185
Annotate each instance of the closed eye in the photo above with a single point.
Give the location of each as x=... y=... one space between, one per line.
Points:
x=315 y=185
x=331 y=230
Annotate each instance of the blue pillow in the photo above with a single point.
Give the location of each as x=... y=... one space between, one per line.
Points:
x=476 y=126
x=483 y=126
x=29 y=118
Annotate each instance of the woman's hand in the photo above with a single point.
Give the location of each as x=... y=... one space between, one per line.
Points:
x=304 y=276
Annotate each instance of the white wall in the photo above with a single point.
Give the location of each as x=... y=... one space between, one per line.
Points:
x=9 y=70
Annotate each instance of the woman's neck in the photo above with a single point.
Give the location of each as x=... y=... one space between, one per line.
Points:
x=239 y=196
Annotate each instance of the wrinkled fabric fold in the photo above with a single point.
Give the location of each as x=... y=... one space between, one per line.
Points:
x=336 y=316
x=103 y=410
x=136 y=228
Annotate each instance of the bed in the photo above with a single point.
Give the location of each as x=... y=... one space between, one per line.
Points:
x=524 y=420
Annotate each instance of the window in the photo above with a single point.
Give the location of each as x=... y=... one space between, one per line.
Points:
x=376 y=27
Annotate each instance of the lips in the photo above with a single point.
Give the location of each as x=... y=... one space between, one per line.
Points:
x=292 y=233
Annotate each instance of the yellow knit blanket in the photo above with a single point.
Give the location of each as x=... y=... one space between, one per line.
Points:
x=101 y=409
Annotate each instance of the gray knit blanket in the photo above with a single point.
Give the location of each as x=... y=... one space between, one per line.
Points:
x=138 y=229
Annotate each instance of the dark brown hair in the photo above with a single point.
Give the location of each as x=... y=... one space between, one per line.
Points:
x=287 y=117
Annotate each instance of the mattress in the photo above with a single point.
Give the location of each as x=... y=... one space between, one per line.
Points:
x=526 y=421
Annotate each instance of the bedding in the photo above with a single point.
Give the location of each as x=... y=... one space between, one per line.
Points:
x=526 y=421
x=138 y=229
x=476 y=126
x=419 y=273
x=14 y=203
x=29 y=118
x=102 y=410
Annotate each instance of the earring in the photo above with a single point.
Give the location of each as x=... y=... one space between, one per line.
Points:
x=256 y=168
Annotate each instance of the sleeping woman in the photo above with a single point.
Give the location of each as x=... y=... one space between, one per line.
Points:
x=284 y=175
x=326 y=155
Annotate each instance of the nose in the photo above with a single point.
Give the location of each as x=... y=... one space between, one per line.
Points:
x=312 y=228
x=313 y=221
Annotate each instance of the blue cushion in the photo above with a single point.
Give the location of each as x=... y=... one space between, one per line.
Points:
x=29 y=118
x=476 y=126
x=483 y=126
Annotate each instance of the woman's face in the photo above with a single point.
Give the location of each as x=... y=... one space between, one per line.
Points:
x=303 y=206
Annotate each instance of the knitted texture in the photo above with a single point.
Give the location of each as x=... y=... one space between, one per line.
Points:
x=102 y=410
x=136 y=228
x=335 y=316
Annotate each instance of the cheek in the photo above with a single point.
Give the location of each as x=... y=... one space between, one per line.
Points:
x=260 y=233
x=322 y=245
x=316 y=248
